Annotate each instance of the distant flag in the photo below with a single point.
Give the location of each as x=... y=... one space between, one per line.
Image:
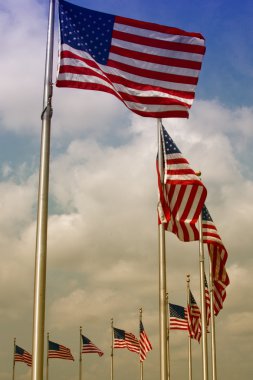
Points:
x=123 y=339
x=194 y=319
x=145 y=345
x=218 y=257
x=57 y=351
x=207 y=302
x=89 y=347
x=21 y=355
x=183 y=196
x=178 y=317
x=153 y=69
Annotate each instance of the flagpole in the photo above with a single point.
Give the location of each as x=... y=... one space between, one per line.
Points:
x=141 y=363
x=47 y=356
x=163 y=324
x=42 y=212
x=202 y=299
x=13 y=368
x=212 y=320
x=168 y=335
x=189 y=336
x=80 y=355
x=112 y=349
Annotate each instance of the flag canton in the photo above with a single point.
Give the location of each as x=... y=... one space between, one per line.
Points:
x=192 y=299
x=169 y=145
x=85 y=340
x=177 y=311
x=205 y=214
x=86 y=30
x=119 y=334
x=19 y=350
x=141 y=327
x=53 y=346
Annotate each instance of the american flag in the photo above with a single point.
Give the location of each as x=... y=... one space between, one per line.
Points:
x=57 y=351
x=218 y=256
x=145 y=344
x=183 y=194
x=153 y=69
x=89 y=347
x=22 y=356
x=123 y=339
x=178 y=317
x=207 y=302
x=194 y=319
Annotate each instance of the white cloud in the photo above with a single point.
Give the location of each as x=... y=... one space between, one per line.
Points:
x=22 y=64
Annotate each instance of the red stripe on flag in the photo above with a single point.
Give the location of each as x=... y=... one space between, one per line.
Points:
x=152 y=42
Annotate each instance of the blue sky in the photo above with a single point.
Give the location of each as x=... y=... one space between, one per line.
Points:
x=226 y=26
x=102 y=236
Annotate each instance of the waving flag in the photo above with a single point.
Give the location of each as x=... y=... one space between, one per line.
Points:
x=57 y=351
x=123 y=339
x=145 y=345
x=207 y=302
x=183 y=194
x=178 y=317
x=21 y=355
x=194 y=319
x=218 y=257
x=89 y=347
x=153 y=69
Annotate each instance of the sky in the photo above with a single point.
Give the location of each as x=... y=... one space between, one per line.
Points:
x=102 y=258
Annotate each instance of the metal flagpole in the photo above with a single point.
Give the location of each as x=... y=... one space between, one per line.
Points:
x=42 y=213
x=212 y=320
x=189 y=336
x=112 y=349
x=168 y=334
x=47 y=356
x=80 y=356
x=141 y=363
x=13 y=368
x=163 y=318
x=203 y=301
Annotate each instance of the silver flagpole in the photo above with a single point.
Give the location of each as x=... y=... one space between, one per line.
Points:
x=80 y=356
x=112 y=350
x=189 y=336
x=213 y=335
x=163 y=318
x=13 y=368
x=202 y=300
x=42 y=212
x=141 y=363
x=47 y=356
x=168 y=334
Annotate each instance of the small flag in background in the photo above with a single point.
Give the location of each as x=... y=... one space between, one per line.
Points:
x=145 y=344
x=57 y=351
x=153 y=69
x=183 y=196
x=218 y=256
x=178 y=317
x=89 y=347
x=194 y=319
x=22 y=356
x=123 y=339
